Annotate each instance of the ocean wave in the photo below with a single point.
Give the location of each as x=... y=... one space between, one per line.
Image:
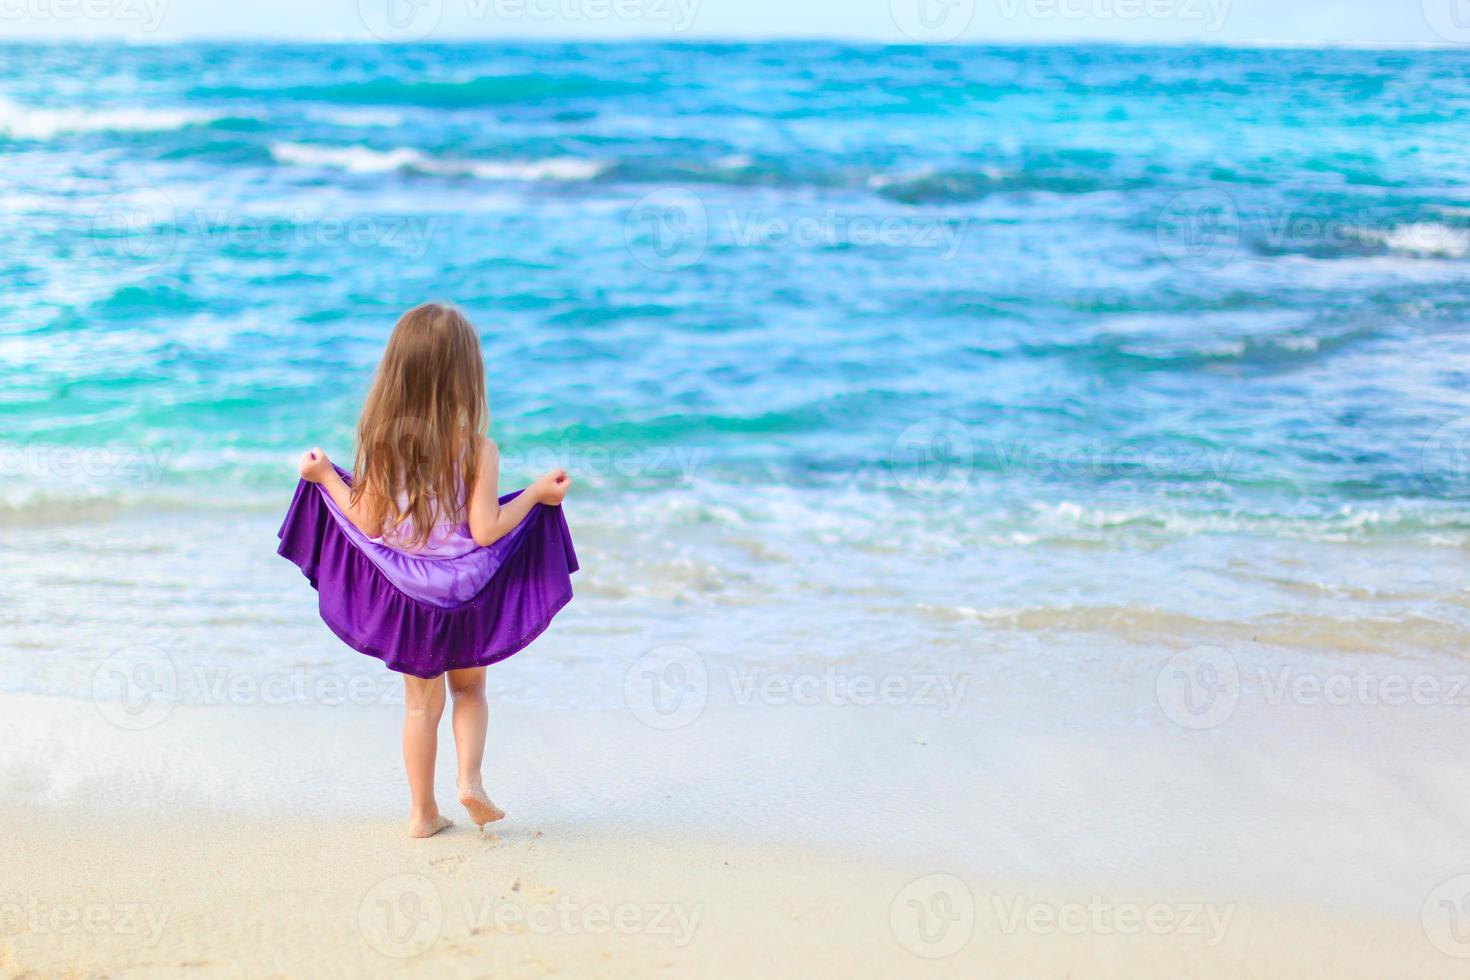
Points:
x=1409 y=239
x=404 y=159
x=1427 y=239
x=487 y=91
x=1266 y=350
x=42 y=123
x=959 y=186
x=689 y=499
x=1069 y=521
x=729 y=170
x=732 y=170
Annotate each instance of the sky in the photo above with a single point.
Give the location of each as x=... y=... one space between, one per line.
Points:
x=1370 y=22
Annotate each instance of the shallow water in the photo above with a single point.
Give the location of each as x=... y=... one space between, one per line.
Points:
x=857 y=353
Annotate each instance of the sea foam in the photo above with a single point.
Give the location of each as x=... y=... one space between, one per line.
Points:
x=356 y=159
x=44 y=123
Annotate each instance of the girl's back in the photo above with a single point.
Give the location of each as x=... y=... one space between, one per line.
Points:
x=449 y=531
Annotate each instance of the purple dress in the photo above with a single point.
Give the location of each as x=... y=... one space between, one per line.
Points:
x=423 y=614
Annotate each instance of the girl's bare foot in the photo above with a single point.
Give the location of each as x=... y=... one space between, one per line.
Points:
x=428 y=826
x=482 y=811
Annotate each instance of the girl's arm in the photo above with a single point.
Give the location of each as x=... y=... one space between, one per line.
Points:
x=316 y=468
x=489 y=522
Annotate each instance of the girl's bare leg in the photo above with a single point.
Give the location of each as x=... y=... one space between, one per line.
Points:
x=423 y=708
x=471 y=717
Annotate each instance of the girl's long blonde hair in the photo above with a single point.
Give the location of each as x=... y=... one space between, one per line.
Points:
x=418 y=441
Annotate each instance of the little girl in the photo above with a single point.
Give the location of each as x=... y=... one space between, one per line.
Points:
x=416 y=559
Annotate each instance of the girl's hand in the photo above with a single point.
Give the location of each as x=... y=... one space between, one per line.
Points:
x=315 y=467
x=551 y=489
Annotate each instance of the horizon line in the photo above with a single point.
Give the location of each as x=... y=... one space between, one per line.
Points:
x=853 y=40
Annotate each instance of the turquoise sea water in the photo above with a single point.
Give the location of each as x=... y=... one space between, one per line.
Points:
x=847 y=346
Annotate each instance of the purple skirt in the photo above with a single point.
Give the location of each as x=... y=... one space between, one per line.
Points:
x=423 y=615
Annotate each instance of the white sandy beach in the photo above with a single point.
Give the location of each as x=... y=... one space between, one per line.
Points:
x=1029 y=831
